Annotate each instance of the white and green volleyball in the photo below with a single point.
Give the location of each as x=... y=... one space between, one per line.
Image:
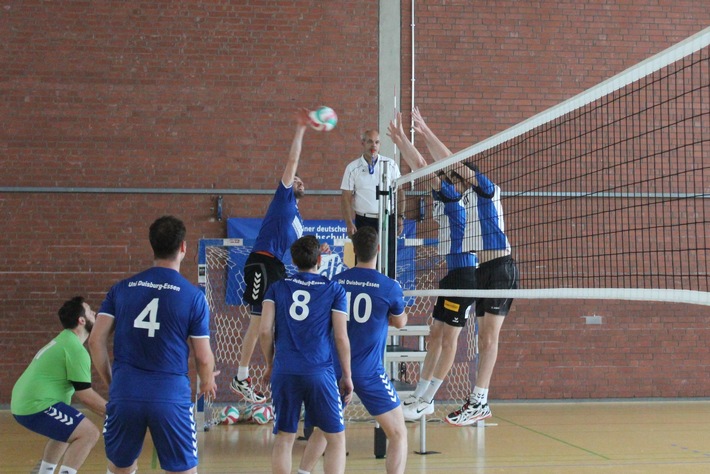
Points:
x=323 y=119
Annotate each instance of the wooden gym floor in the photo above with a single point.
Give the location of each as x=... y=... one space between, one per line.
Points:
x=545 y=437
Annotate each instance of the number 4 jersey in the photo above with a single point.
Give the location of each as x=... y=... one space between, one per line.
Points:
x=155 y=312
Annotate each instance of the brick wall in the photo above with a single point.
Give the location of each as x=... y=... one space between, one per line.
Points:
x=200 y=95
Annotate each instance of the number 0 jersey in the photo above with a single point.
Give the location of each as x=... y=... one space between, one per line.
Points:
x=155 y=313
x=372 y=297
x=303 y=325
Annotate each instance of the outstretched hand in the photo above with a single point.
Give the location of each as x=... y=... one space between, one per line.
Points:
x=302 y=118
x=395 y=130
x=420 y=125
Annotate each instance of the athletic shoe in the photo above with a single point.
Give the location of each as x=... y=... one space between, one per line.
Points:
x=469 y=414
x=417 y=410
x=411 y=400
x=246 y=390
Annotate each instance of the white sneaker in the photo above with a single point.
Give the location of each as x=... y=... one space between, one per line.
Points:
x=246 y=389
x=409 y=401
x=416 y=410
x=468 y=414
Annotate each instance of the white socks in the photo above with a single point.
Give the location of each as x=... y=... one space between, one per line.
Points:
x=242 y=373
x=46 y=468
x=67 y=470
x=422 y=385
x=431 y=390
x=479 y=395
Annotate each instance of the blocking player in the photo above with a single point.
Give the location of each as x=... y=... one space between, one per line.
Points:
x=281 y=226
x=157 y=318
x=496 y=269
x=375 y=302
x=300 y=315
x=42 y=395
x=450 y=313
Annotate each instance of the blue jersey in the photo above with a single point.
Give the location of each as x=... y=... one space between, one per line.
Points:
x=303 y=324
x=282 y=224
x=450 y=214
x=485 y=228
x=372 y=297
x=155 y=312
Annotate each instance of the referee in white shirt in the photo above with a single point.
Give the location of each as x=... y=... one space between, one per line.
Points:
x=360 y=205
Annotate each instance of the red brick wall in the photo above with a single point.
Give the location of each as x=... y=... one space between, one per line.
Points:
x=200 y=95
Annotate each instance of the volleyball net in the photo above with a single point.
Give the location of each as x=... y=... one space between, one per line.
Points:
x=606 y=195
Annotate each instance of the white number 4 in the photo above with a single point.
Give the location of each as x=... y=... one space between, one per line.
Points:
x=148 y=319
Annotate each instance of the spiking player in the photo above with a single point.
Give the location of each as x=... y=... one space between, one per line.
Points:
x=280 y=228
x=450 y=313
x=300 y=316
x=157 y=318
x=375 y=301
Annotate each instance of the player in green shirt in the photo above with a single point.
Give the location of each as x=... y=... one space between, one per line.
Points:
x=42 y=395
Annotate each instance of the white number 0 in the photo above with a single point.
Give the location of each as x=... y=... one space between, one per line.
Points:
x=360 y=313
x=148 y=319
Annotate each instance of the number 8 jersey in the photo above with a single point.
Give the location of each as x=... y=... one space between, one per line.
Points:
x=155 y=312
x=303 y=324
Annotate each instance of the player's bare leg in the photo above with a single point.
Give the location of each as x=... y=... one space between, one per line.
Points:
x=314 y=450
x=81 y=442
x=245 y=387
x=281 y=453
x=488 y=334
x=392 y=423
x=334 y=461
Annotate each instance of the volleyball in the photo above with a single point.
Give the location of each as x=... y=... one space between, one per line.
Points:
x=229 y=415
x=262 y=414
x=323 y=119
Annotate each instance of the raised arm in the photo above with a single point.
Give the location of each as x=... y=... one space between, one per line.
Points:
x=409 y=152
x=295 y=153
x=438 y=150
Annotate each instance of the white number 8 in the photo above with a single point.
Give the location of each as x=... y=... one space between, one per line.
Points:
x=299 y=308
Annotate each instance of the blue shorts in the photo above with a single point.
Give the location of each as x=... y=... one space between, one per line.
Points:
x=376 y=393
x=171 y=426
x=320 y=395
x=57 y=422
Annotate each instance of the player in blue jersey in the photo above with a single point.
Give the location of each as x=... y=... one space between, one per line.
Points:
x=281 y=226
x=484 y=235
x=375 y=302
x=300 y=316
x=450 y=313
x=157 y=318
x=496 y=271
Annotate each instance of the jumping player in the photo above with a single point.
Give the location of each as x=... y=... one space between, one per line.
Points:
x=496 y=271
x=450 y=313
x=300 y=316
x=42 y=395
x=375 y=302
x=281 y=226
x=157 y=318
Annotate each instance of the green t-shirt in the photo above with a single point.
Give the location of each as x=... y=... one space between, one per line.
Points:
x=46 y=380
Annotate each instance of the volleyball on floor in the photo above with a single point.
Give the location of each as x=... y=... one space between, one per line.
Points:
x=229 y=415
x=262 y=414
x=323 y=119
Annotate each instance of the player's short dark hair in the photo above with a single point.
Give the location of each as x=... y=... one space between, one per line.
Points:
x=305 y=252
x=166 y=235
x=365 y=242
x=71 y=311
